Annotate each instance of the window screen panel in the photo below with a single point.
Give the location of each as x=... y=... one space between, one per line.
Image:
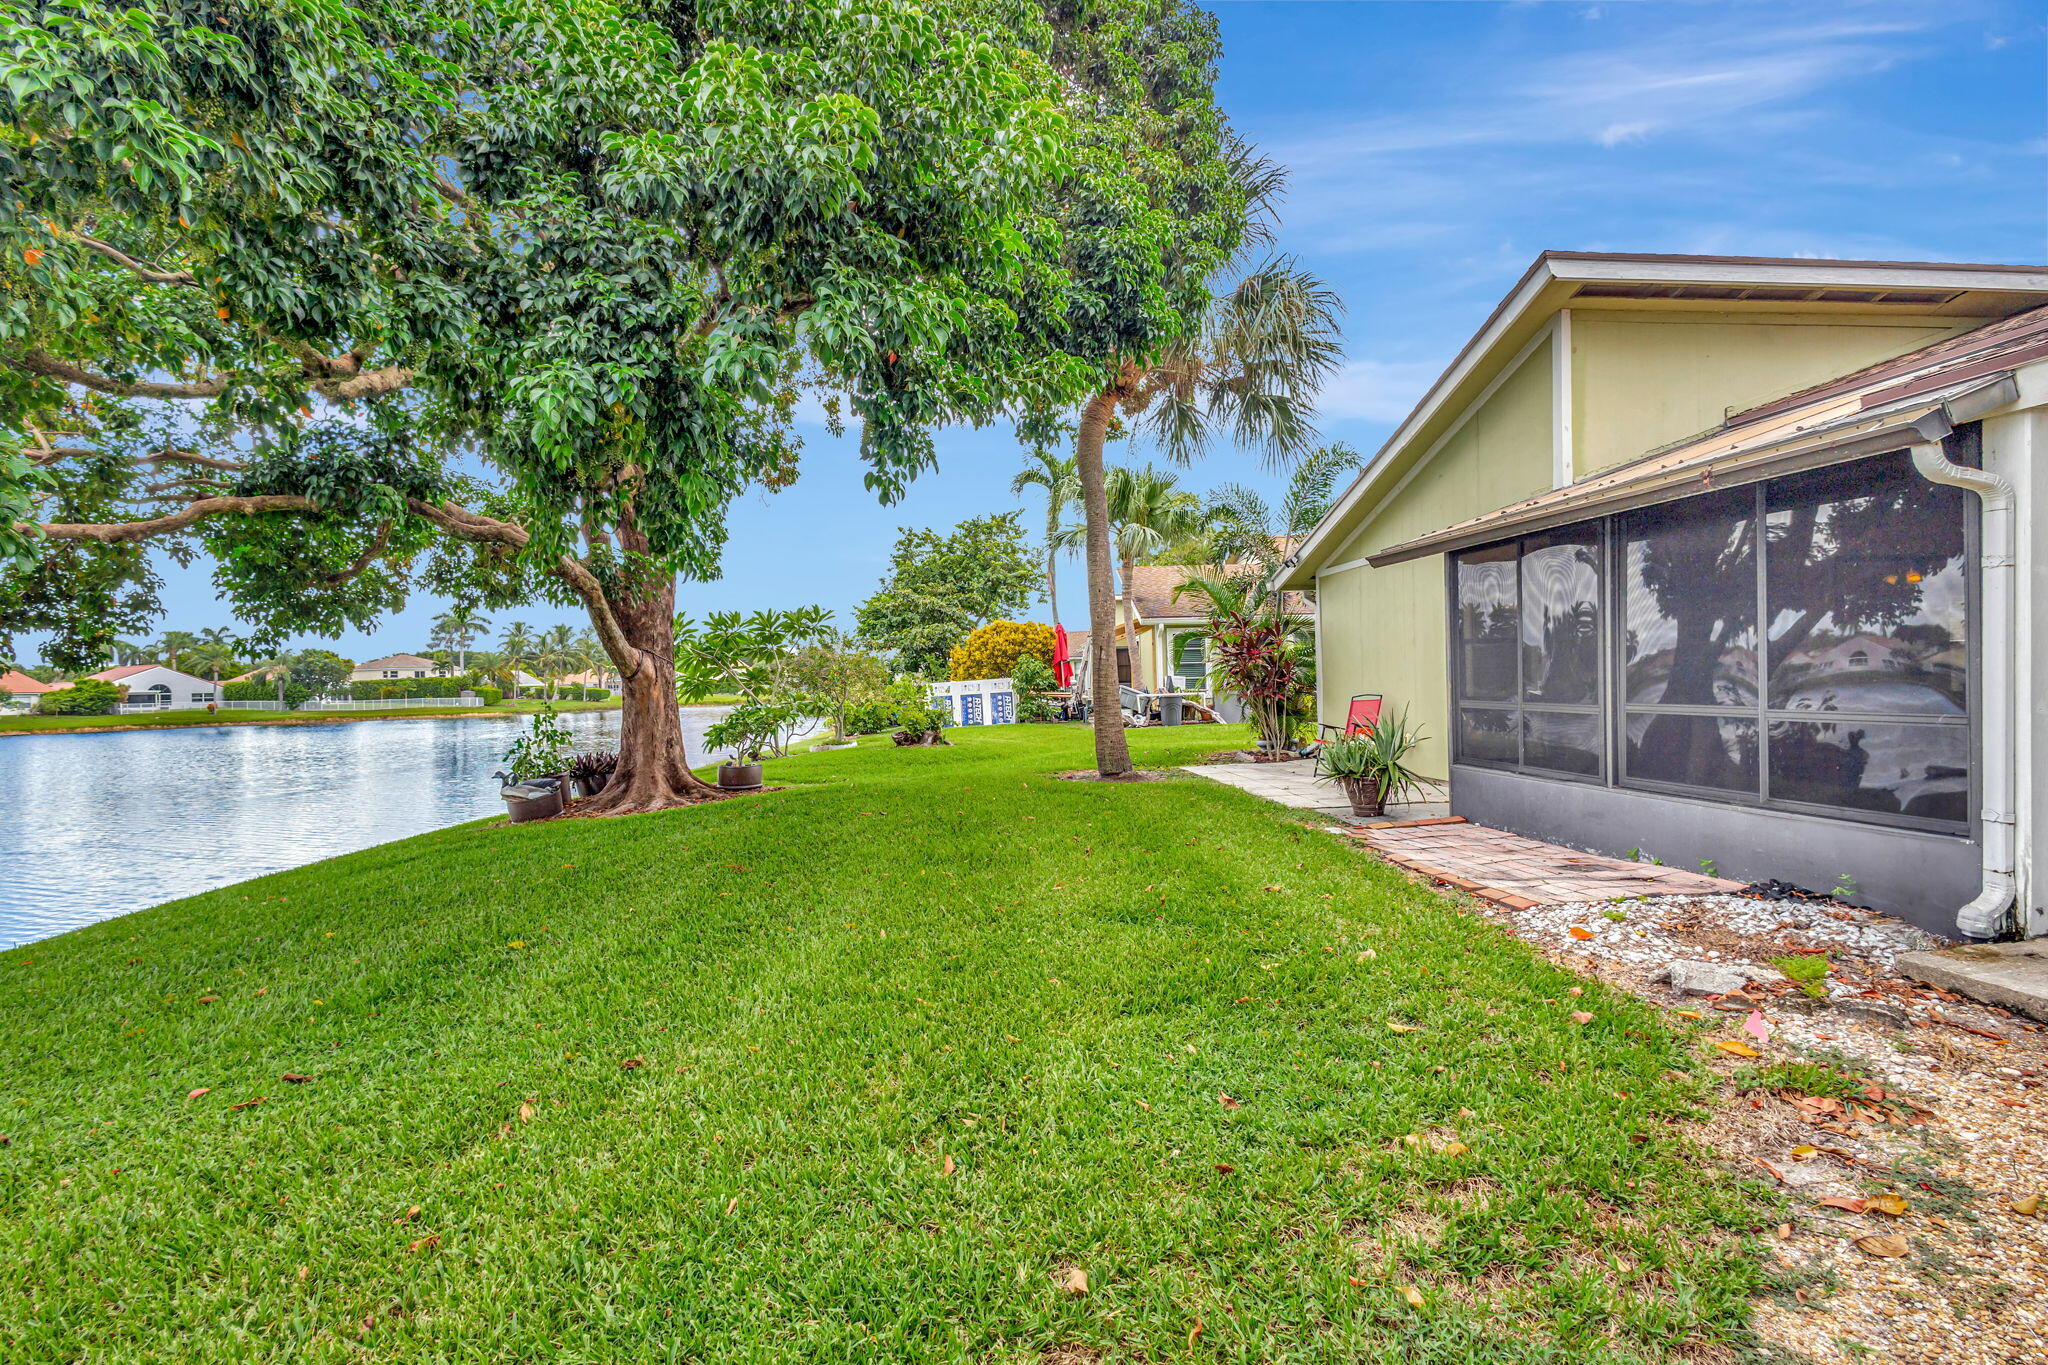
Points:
x=1488 y=607
x=1689 y=627
x=1867 y=591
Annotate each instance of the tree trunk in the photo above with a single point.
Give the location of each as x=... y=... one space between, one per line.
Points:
x=1112 y=751
x=1052 y=587
x=653 y=772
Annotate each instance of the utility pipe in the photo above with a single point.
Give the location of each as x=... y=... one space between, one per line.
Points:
x=1988 y=915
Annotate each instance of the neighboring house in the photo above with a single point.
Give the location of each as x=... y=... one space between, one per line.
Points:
x=21 y=689
x=593 y=677
x=525 y=684
x=1172 y=653
x=1554 y=564
x=164 y=688
x=394 y=667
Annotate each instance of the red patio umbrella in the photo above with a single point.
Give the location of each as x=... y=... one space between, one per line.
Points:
x=1062 y=662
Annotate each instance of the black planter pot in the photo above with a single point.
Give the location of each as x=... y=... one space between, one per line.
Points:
x=739 y=777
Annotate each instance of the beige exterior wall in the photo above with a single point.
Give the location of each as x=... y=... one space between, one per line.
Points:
x=1382 y=630
x=1643 y=380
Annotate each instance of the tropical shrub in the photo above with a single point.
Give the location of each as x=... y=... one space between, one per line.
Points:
x=1033 y=675
x=543 y=751
x=593 y=769
x=388 y=688
x=755 y=730
x=1256 y=656
x=491 y=695
x=992 y=651
x=870 y=717
x=86 y=697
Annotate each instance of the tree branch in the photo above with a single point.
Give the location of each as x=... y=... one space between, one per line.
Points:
x=122 y=532
x=363 y=560
x=130 y=264
x=44 y=365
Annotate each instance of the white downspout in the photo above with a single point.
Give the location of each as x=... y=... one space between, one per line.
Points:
x=1989 y=915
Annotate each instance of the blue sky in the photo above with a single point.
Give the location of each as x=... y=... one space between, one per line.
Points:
x=1437 y=146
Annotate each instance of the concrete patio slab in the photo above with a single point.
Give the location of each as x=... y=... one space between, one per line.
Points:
x=1294 y=784
x=2012 y=976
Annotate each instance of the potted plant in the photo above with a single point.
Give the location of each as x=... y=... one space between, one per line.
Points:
x=751 y=730
x=537 y=765
x=1372 y=766
x=590 y=771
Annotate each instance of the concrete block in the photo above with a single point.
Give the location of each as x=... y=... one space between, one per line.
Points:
x=2011 y=975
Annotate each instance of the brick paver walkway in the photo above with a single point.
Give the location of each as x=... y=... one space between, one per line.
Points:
x=1517 y=872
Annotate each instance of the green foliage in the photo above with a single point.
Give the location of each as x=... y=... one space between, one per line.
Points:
x=834 y=673
x=1033 y=675
x=378 y=689
x=754 y=730
x=753 y=656
x=86 y=697
x=1379 y=755
x=543 y=750
x=591 y=244
x=1256 y=655
x=491 y=695
x=296 y=694
x=941 y=586
x=1807 y=971
x=870 y=717
x=916 y=709
x=1803 y=1078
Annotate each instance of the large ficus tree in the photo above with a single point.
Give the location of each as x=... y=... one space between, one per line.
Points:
x=502 y=298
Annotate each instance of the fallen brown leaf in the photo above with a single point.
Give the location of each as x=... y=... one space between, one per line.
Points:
x=295 y=1078
x=408 y=1215
x=1581 y=1017
x=1890 y=1205
x=245 y=1104
x=2028 y=1207
x=1729 y=1045
x=1579 y=932
x=1074 y=1280
x=947 y=1167
x=1412 y=1295
x=525 y=1112
x=202 y=1090
x=1224 y=1168
x=1890 y=1246
x=632 y=1063
x=1404 y=1028
x=1227 y=1102
x=1847 y=1205
x=431 y=1240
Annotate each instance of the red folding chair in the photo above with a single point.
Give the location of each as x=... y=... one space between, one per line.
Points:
x=1359 y=717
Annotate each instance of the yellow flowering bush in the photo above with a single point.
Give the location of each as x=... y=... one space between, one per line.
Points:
x=991 y=651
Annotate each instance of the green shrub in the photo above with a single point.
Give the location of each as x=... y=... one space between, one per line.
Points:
x=385 y=689
x=295 y=694
x=871 y=717
x=86 y=697
x=597 y=694
x=491 y=695
x=1808 y=972
x=1033 y=674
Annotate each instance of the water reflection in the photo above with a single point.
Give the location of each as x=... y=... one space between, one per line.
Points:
x=97 y=825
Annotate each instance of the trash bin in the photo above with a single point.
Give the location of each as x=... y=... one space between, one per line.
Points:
x=1169 y=710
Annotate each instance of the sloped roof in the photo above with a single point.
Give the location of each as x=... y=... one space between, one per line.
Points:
x=15 y=681
x=1875 y=409
x=125 y=671
x=398 y=661
x=1152 y=587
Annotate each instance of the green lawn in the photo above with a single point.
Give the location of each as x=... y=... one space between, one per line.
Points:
x=913 y=1040
x=175 y=718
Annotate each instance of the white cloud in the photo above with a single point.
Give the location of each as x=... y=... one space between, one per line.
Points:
x=1377 y=390
x=1614 y=134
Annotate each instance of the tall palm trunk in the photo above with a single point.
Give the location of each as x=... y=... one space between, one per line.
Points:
x=1052 y=587
x=1112 y=751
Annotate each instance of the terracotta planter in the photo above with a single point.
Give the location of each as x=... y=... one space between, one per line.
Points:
x=739 y=777
x=1364 y=794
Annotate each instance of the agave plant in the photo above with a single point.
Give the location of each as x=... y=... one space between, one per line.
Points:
x=1372 y=765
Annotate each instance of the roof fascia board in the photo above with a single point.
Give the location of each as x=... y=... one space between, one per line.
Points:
x=1816 y=273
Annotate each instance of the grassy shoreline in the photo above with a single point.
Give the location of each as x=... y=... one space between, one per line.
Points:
x=174 y=720
x=868 y=1068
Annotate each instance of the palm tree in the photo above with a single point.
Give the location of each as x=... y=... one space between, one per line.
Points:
x=1248 y=371
x=516 y=649
x=131 y=651
x=458 y=628
x=172 y=643
x=1243 y=529
x=216 y=647
x=1147 y=512
x=278 y=669
x=554 y=653
x=1055 y=474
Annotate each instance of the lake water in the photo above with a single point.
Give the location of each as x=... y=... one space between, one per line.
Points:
x=97 y=825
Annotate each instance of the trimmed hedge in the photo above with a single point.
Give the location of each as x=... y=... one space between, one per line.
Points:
x=385 y=688
x=86 y=697
x=295 y=694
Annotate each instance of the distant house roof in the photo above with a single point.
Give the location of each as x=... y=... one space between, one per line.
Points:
x=1879 y=408
x=1152 y=587
x=16 y=682
x=123 y=671
x=396 y=661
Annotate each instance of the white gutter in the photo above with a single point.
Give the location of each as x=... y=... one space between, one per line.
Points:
x=1988 y=915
